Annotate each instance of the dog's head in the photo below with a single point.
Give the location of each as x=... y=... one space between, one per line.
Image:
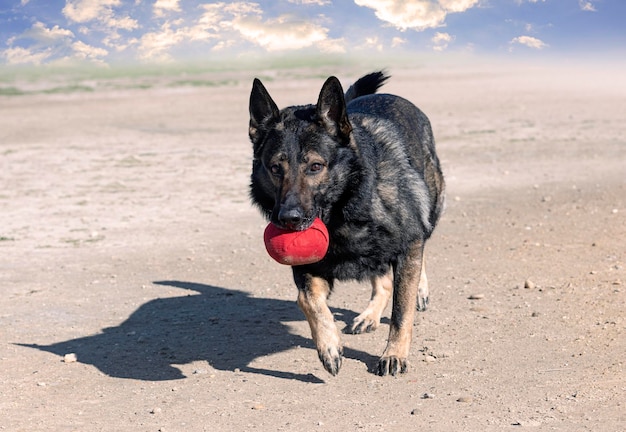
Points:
x=300 y=155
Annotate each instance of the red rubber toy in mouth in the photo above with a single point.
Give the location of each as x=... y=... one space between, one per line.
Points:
x=297 y=247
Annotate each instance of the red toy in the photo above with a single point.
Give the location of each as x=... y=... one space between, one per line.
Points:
x=297 y=247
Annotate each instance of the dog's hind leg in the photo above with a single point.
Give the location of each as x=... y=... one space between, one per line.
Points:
x=407 y=273
x=369 y=320
x=312 y=294
x=422 y=290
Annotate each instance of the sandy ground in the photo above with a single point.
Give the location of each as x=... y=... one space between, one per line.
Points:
x=128 y=240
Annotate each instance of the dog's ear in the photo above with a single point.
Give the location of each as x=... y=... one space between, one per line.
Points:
x=262 y=110
x=331 y=110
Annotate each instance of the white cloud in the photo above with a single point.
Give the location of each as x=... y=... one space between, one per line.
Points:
x=397 y=41
x=45 y=43
x=19 y=55
x=441 y=41
x=43 y=35
x=529 y=41
x=164 y=29
x=156 y=45
x=586 y=6
x=98 y=16
x=125 y=23
x=84 y=51
x=50 y=44
x=458 y=5
x=311 y=2
x=332 y=46
x=214 y=15
x=284 y=33
x=83 y=11
x=214 y=24
x=415 y=14
x=372 y=43
x=223 y=45
x=88 y=10
x=119 y=44
x=162 y=6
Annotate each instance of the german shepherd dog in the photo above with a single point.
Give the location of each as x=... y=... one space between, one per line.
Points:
x=365 y=164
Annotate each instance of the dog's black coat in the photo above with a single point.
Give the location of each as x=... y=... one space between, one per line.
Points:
x=364 y=163
x=368 y=229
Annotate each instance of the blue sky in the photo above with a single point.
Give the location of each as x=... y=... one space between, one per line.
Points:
x=40 y=32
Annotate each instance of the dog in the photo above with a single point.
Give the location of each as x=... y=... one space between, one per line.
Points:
x=365 y=163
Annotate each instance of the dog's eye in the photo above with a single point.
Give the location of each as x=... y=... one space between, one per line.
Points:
x=316 y=167
x=275 y=169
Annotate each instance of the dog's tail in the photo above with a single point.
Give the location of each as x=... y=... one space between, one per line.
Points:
x=366 y=85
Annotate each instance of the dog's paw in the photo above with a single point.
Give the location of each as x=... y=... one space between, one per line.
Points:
x=392 y=365
x=364 y=323
x=331 y=358
x=422 y=303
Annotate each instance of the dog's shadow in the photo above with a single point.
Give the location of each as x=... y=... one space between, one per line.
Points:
x=227 y=328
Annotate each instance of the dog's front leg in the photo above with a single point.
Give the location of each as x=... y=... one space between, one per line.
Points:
x=406 y=280
x=312 y=294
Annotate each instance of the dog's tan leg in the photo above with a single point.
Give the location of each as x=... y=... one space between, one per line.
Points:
x=422 y=291
x=369 y=320
x=312 y=300
x=406 y=280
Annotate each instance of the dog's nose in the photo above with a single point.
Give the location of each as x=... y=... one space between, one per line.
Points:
x=291 y=218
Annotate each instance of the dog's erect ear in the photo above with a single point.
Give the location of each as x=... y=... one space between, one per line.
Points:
x=262 y=109
x=331 y=110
